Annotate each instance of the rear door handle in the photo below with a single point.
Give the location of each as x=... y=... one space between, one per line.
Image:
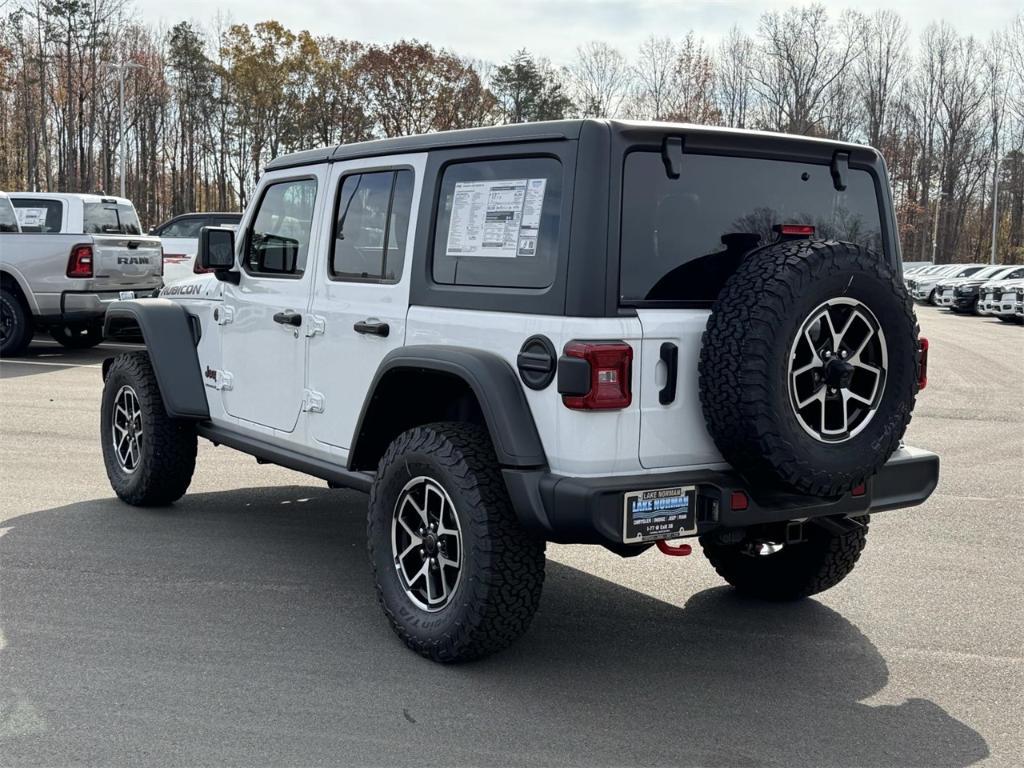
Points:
x=669 y=356
x=373 y=327
x=288 y=317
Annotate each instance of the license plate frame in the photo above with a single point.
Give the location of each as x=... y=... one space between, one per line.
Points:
x=659 y=513
x=126 y=295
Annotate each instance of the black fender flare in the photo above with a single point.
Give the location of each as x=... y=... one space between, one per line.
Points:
x=170 y=335
x=491 y=380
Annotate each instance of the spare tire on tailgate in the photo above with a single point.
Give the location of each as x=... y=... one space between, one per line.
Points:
x=808 y=369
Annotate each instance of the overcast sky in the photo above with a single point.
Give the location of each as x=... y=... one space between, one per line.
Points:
x=493 y=29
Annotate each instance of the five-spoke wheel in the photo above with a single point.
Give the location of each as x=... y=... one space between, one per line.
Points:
x=426 y=542
x=837 y=370
x=126 y=427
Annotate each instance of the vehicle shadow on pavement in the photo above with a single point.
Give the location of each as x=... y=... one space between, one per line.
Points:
x=241 y=628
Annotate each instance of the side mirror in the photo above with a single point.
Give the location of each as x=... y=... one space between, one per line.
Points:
x=217 y=251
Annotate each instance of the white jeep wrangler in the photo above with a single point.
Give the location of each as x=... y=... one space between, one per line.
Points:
x=584 y=332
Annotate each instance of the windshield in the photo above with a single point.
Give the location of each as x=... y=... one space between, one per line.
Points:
x=110 y=218
x=683 y=237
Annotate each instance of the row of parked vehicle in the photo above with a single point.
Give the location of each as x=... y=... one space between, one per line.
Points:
x=64 y=258
x=996 y=290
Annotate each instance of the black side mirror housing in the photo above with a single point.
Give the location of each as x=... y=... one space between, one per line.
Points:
x=217 y=252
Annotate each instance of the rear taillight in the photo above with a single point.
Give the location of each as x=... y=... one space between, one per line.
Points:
x=922 y=363
x=608 y=384
x=80 y=261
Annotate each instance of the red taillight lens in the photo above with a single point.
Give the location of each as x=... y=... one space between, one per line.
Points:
x=80 y=261
x=922 y=367
x=738 y=501
x=859 y=490
x=799 y=230
x=611 y=366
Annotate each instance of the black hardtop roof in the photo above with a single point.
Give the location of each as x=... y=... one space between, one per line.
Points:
x=554 y=130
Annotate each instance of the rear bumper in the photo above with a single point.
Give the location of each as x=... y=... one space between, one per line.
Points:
x=85 y=306
x=590 y=510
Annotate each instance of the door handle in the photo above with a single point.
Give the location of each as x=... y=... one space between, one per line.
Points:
x=288 y=317
x=373 y=327
x=670 y=356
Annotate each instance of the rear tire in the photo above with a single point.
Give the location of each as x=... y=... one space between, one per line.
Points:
x=450 y=613
x=77 y=335
x=794 y=572
x=151 y=461
x=15 y=323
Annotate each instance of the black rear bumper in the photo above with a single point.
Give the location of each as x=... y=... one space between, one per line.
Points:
x=589 y=510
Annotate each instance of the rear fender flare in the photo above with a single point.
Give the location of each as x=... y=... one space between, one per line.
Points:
x=490 y=379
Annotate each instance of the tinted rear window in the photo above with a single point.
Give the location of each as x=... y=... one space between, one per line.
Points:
x=110 y=219
x=36 y=215
x=682 y=238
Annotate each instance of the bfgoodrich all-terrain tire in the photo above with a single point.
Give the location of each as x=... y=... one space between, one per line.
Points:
x=149 y=456
x=797 y=570
x=808 y=370
x=15 y=323
x=456 y=574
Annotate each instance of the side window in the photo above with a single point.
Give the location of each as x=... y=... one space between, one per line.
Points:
x=8 y=219
x=36 y=215
x=277 y=242
x=184 y=227
x=498 y=223
x=371 y=226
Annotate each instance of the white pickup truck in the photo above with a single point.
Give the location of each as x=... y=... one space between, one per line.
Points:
x=64 y=260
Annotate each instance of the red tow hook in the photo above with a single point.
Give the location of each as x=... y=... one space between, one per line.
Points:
x=667 y=549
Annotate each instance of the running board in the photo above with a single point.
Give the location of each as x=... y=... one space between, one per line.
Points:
x=337 y=477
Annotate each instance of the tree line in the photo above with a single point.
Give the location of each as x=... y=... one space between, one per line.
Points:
x=208 y=107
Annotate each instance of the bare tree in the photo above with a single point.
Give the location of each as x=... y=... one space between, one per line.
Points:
x=734 y=80
x=654 y=78
x=880 y=70
x=802 y=55
x=600 y=80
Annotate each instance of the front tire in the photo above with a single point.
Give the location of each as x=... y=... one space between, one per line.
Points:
x=456 y=574
x=797 y=570
x=149 y=456
x=77 y=336
x=15 y=324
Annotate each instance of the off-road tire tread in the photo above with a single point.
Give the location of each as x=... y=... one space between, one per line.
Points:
x=504 y=591
x=734 y=355
x=798 y=571
x=167 y=469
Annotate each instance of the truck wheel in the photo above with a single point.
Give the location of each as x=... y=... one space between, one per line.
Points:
x=149 y=456
x=15 y=324
x=797 y=570
x=808 y=370
x=456 y=574
x=77 y=335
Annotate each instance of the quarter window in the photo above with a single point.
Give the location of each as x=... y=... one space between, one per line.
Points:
x=498 y=223
x=278 y=240
x=372 y=226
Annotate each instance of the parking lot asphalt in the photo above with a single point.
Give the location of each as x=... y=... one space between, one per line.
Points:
x=240 y=627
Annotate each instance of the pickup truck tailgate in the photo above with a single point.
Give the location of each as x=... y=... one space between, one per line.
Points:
x=127 y=261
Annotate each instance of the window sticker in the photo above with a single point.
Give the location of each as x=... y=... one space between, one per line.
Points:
x=31 y=217
x=496 y=218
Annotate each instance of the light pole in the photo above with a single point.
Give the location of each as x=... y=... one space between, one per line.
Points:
x=121 y=68
x=995 y=206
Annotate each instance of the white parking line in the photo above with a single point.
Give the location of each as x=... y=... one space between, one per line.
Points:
x=55 y=365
